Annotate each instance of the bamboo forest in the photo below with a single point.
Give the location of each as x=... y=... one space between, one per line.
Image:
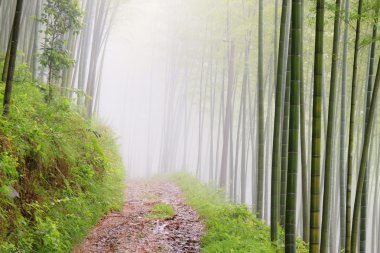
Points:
x=174 y=126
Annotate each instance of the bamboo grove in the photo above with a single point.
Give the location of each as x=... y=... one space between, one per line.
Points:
x=276 y=102
x=62 y=43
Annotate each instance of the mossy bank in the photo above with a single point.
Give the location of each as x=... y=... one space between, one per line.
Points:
x=59 y=172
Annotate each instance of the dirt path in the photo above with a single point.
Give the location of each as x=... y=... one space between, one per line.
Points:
x=131 y=231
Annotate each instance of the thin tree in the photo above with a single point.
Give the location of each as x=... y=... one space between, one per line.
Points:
x=276 y=158
x=12 y=57
x=6 y=60
x=342 y=147
x=351 y=130
x=364 y=161
x=260 y=121
x=200 y=114
x=243 y=173
x=290 y=223
x=228 y=112
x=212 y=113
x=304 y=167
x=363 y=212
x=316 y=131
x=226 y=128
x=36 y=39
x=285 y=137
x=326 y=215
x=59 y=17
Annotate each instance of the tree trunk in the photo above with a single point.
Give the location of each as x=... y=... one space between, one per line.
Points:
x=316 y=132
x=291 y=199
x=12 y=58
x=304 y=167
x=200 y=116
x=260 y=121
x=6 y=60
x=364 y=161
x=363 y=212
x=226 y=128
x=326 y=215
x=352 y=131
x=342 y=170
x=212 y=112
x=285 y=138
x=243 y=173
x=280 y=81
x=36 y=40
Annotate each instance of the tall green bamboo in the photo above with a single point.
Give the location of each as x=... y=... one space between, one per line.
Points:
x=260 y=121
x=36 y=40
x=285 y=138
x=364 y=160
x=326 y=213
x=228 y=112
x=12 y=56
x=291 y=199
x=280 y=81
x=6 y=60
x=342 y=170
x=317 y=131
x=243 y=174
x=363 y=211
x=351 y=130
x=304 y=167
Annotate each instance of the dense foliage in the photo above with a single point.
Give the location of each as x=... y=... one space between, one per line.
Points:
x=59 y=172
x=58 y=19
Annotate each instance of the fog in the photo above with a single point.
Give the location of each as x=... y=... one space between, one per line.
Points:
x=180 y=88
x=140 y=71
x=134 y=70
x=165 y=73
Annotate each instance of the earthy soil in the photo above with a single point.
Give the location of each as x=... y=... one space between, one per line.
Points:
x=130 y=230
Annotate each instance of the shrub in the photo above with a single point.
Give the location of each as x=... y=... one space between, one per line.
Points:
x=65 y=168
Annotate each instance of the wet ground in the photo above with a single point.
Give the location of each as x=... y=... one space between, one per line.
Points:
x=131 y=231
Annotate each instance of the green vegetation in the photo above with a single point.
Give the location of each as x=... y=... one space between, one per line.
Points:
x=58 y=18
x=161 y=211
x=65 y=169
x=229 y=227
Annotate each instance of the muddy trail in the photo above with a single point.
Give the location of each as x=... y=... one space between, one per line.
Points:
x=132 y=229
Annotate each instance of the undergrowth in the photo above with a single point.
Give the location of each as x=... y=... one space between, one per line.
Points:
x=59 y=172
x=229 y=227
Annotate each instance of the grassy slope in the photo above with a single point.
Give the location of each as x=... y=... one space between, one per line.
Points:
x=65 y=168
x=229 y=227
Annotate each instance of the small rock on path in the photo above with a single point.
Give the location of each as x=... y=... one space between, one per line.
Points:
x=129 y=230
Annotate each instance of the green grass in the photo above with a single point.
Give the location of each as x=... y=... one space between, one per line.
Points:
x=229 y=227
x=66 y=169
x=161 y=211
